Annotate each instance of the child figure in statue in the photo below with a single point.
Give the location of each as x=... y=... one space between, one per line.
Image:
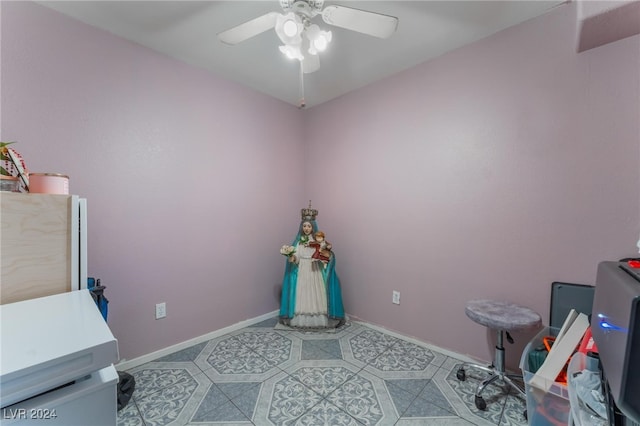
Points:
x=311 y=294
x=322 y=247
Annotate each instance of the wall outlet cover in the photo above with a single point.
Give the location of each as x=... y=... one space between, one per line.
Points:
x=161 y=310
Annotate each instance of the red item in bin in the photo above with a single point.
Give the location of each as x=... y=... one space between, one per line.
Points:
x=634 y=263
x=587 y=344
x=554 y=411
x=562 y=376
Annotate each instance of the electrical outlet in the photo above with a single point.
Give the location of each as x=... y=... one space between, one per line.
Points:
x=161 y=310
x=395 y=298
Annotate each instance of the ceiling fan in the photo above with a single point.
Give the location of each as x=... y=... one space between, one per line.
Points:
x=301 y=38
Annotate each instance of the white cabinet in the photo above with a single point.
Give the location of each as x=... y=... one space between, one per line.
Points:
x=56 y=362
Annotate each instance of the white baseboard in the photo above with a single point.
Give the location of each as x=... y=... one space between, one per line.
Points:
x=125 y=364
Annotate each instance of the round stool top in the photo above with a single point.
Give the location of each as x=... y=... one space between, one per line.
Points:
x=502 y=315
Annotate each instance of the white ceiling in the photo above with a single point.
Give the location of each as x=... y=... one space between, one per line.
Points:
x=186 y=30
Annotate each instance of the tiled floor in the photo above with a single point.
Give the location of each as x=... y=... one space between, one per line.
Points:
x=355 y=376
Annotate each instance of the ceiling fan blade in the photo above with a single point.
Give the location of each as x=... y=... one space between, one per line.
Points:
x=310 y=63
x=248 y=29
x=371 y=23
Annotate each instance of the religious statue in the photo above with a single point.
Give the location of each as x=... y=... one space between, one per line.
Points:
x=311 y=294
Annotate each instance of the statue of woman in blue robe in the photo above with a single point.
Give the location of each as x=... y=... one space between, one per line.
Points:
x=311 y=295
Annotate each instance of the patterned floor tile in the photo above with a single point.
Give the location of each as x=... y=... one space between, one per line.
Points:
x=129 y=415
x=422 y=401
x=248 y=355
x=235 y=389
x=188 y=354
x=228 y=402
x=365 y=346
x=365 y=398
x=174 y=405
x=397 y=358
x=212 y=400
x=457 y=421
x=460 y=395
x=354 y=326
x=325 y=413
x=413 y=386
x=310 y=335
x=219 y=408
x=425 y=409
x=247 y=401
x=283 y=400
x=221 y=354
x=321 y=349
x=400 y=397
x=154 y=376
x=357 y=375
x=323 y=379
x=514 y=411
x=224 y=413
x=396 y=363
x=432 y=393
x=420 y=352
x=268 y=323
x=368 y=344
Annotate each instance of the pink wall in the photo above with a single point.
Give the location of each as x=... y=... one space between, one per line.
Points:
x=489 y=172
x=602 y=22
x=191 y=180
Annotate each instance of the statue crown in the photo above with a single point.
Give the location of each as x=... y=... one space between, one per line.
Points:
x=309 y=213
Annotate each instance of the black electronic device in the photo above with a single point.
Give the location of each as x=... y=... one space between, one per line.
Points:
x=568 y=296
x=615 y=325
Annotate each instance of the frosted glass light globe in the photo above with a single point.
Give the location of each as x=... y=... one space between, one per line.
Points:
x=320 y=43
x=290 y=27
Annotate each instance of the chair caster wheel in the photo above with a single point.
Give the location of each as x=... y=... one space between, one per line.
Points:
x=480 y=403
x=461 y=375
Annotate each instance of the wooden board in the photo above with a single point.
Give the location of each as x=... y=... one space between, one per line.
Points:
x=35 y=245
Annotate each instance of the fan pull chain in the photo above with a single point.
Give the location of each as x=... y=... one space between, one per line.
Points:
x=302 y=101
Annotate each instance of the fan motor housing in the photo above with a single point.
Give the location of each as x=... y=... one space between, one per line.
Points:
x=308 y=8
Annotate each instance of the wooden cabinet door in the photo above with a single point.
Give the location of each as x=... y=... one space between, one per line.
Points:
x=36 y=252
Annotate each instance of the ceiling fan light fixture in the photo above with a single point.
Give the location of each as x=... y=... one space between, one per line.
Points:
x=322 y=41
x=318 y=39
x=292 y=52
x=303 y=40
x=289 y=28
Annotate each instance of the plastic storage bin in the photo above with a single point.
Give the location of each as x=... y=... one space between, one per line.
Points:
x=550 y=408
x=579 y=414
